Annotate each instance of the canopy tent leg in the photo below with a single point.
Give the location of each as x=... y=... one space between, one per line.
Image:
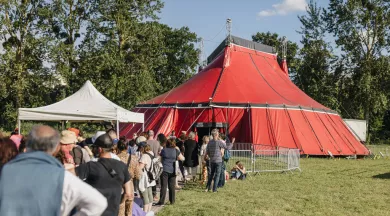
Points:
x=62 y=125
x=117 y=129
x=19 y=125
x=143 y=127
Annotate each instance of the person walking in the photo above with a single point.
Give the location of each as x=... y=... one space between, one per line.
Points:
x=191 y=156
x=169 y=156
x=109 y=176
x=35 y=183
x=213 y=151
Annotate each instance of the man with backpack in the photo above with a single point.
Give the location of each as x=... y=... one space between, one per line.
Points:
x=225 y=159
x=213 y=151
x=156 y=148
x=109 y=176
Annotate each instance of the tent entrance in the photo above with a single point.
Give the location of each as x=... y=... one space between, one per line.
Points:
x=204 y=128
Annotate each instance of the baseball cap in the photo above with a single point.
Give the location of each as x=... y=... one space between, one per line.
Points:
x=68 y=137
x=142 y=144
x=98 y=134
x=104 y=141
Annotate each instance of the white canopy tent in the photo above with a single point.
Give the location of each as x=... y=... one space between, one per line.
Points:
x=87 y=104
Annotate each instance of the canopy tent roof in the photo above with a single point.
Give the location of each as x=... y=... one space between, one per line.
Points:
x=87 y=104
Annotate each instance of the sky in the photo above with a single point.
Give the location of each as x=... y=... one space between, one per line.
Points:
x=207 y=18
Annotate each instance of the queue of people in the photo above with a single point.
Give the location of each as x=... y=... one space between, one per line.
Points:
x=104 y=174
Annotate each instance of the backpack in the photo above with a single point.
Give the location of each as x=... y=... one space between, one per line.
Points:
x=77 y=155
x=226 y=155
x=155 y=169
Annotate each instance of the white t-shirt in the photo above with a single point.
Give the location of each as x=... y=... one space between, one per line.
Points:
x=145 y=159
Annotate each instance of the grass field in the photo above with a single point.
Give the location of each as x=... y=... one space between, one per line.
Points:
x=325 y=187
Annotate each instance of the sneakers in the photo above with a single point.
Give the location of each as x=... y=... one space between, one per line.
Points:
x=159 y=204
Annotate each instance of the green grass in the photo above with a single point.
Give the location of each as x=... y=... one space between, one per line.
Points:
x=325 y=187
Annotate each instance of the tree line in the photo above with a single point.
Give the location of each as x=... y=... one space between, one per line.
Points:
x=343 y=62
x=50 y=48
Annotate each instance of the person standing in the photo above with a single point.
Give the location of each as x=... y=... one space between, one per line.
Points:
x=156 y=148
x=205 y=160
x=8 y=151
x=146 y=184
x=169 y=156
x=180 y=144
x=43 y=185
x=109 y=176
x=213 y=151
x=191 y=156
x=131 y=162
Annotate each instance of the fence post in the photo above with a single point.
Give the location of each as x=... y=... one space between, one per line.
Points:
x=288 y=159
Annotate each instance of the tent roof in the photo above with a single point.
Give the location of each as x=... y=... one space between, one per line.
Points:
x=87 y=104
x=238 y=76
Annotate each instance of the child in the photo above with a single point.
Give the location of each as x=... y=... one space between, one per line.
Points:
x=205 y=161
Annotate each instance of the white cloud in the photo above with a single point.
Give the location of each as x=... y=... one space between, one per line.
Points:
x=284 y=8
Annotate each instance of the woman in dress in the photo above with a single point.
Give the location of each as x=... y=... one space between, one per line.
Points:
x=191 y=156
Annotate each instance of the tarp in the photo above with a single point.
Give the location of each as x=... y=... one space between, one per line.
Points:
x=250 y=92
x=358 y=128
x=87 y=104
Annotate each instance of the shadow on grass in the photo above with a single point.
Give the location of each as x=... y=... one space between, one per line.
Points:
x=382 y=176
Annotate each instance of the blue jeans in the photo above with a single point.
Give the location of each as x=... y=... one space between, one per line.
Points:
x=221 y=182
x=215 y=174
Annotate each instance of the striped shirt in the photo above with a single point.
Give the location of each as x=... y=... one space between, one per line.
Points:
x=213 y=150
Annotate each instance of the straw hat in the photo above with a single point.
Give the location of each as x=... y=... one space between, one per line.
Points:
x=68 y=137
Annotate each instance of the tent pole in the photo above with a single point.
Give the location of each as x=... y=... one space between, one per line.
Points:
x=143 y=127
x=19 y=124
x=62 y=125
x=117 y=129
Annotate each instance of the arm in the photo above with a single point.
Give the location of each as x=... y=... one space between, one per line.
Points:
x=228 y=145
x=129 y=191
x=78 y=194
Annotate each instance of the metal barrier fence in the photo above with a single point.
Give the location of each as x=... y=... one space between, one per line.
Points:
x=261 y=158
x=379 y=151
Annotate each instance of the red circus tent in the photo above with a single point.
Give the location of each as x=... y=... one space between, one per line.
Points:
x=245 y=92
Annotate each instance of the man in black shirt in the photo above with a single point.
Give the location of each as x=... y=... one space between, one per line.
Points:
x=107 y=175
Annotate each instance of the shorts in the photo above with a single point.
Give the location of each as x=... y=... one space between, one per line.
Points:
x=147 y=196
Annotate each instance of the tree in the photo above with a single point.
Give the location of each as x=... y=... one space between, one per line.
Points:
x=64 y=21
x=131 y=60
x=22 y=68
x=315 y=74
x=361 y=29
x=273 y=39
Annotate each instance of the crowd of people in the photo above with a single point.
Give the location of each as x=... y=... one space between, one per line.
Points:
x=61 y=173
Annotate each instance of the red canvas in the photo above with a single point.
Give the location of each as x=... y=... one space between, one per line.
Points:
x=250 y=92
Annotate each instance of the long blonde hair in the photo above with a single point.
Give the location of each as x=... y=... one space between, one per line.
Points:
x=204 y=139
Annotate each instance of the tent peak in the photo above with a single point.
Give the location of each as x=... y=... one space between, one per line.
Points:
x=240 y=42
